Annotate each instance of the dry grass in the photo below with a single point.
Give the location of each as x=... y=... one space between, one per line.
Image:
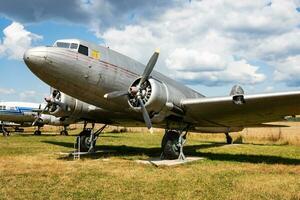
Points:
x=30 y=168
x=284 y=135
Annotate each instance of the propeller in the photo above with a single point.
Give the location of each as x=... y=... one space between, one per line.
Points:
x=138 y=92
x=52 y=102
x=38 y=116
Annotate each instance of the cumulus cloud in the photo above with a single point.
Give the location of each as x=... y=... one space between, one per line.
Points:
x=240 y=72
x=207 y=42
x=41 y=10
x=288 y=70
x=214 y=42
x=6 y=91
x=100 y=14
x=182 y=59
x=28 y=95
x=16 y=40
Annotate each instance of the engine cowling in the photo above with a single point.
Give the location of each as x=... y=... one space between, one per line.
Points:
x=51 y=120
x=153 y=95
x=66 y=106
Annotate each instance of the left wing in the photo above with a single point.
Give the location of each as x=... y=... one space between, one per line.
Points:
x=256 y=109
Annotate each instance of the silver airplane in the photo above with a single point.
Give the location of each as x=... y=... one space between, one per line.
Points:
x=133 y=94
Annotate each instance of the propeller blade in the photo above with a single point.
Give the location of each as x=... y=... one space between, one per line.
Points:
x=115 y=94
x=38 y=116
x=146 y=116
x=149 y=67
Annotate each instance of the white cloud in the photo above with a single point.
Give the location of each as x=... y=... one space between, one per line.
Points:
x=16 y=40
x=288 y=70
x=182 y=59
x=269 y=89
x=210 y=42
x=6 y=91
x=28 y=95
x=239 y=71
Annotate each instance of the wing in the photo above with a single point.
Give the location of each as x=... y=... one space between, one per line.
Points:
x=257 y=109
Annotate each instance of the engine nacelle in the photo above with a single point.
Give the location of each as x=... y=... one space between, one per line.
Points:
x=66 y=106
x=50 y=120
x=154 y=96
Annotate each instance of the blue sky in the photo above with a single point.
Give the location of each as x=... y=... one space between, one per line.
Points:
x=208 y=45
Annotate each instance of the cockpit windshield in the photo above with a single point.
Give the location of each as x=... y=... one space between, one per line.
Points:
x=66 y=45
x=74 y=46
x=63 y=45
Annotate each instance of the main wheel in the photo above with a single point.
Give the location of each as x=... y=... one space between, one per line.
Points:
x=6 y=132
x=170 y=146
x=63 y=132
x=229 y=139
x=85 y=142
x=37 y=132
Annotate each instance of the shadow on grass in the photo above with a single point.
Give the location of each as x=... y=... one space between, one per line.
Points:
x=191 y=150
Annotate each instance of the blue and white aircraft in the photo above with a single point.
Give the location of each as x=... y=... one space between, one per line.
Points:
x=24 y=114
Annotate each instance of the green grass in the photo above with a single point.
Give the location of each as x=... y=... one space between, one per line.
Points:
x=31 y=168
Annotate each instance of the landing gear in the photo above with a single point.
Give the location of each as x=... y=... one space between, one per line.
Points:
x=228 y=138
x=38 y=132
x=172 y=145
x=5 y=131
x=64 y=132
x=86 y=141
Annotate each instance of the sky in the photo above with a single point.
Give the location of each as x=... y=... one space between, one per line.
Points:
x=209 y=45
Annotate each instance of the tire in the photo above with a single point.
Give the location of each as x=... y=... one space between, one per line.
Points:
x=84 y=141
x=170 y=146
x=229 y=139
x=37 y=133
x=64 y=133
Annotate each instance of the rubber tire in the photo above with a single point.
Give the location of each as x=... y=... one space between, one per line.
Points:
x=229 y=140
x=65 y=133
x=37 y=133
x=84 y=144
x=6 y=132
x=169 y=145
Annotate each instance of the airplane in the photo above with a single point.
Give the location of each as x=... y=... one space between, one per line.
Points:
x=133 y=94
x=25 y=114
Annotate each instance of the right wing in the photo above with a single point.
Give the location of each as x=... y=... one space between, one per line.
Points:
x=257 y=109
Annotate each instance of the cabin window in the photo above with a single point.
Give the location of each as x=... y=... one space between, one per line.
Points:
x=63 y=45
x=74 y=46
x=83 y=50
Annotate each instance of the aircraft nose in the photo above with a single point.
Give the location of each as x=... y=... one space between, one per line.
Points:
x=35 y=57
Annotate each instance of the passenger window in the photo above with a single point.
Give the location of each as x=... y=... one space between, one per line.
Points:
x=83 y=50
x=74 y=46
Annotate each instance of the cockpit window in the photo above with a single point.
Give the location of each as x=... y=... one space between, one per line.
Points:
x=83 y=50
x=2 y=107
x=63 y=45
x=74 y=46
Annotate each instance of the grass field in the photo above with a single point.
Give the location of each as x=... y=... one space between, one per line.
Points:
x=31 y=168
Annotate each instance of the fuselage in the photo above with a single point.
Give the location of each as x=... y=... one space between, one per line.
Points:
x=89 y=71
